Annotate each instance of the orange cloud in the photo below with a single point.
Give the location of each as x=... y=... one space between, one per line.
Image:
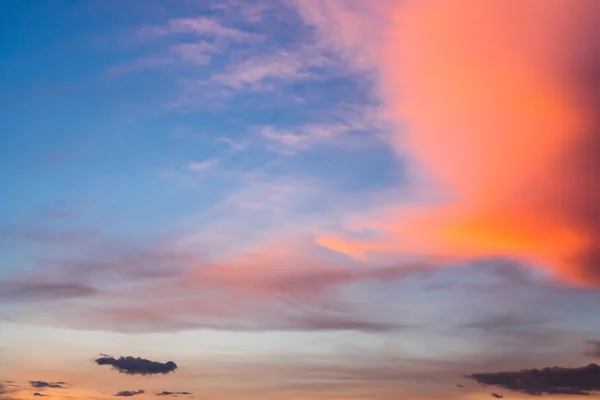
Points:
x=497 y=101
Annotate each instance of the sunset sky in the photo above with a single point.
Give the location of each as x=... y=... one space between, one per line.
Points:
x=299 y=199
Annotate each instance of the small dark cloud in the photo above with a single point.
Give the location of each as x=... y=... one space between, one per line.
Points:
x=553 y=380
x=128 y=393
x=496 y=395
x=174 y=394
x=40 y=394
x=42 y=384
x=136 y=365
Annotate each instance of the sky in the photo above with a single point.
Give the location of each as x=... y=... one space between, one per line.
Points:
x=299 y=199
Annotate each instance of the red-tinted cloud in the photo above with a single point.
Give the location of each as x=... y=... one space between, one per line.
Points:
x=496 y=101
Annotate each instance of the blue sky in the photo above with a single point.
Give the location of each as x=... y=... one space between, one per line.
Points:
x=260 y=188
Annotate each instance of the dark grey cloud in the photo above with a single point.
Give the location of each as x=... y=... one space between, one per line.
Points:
x=42 y=384
x=136 y=365
x=173 y=394
x=40 y=394
x=24 y=291
x=128 y=393
x=553 y=380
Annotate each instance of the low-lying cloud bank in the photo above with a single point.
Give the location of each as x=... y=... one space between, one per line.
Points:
x=552 y=380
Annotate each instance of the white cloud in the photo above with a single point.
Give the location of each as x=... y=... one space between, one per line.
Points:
x=201 y=26
x=254 y=70
x=290 y=141
x=201 y=166
x=233 y=144
x=195 y=53
x=284 y=65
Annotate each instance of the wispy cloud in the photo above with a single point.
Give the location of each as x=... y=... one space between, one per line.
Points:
x=250 y=12
x=290 y=142
x=196 y=53
x=202 y=165
x=231 y=143
x=201 y=26
x=283 y=65
x=141 y=64
x=210 y=37
x=305 y=137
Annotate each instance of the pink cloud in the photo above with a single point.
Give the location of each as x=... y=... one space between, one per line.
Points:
x=493 y=101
